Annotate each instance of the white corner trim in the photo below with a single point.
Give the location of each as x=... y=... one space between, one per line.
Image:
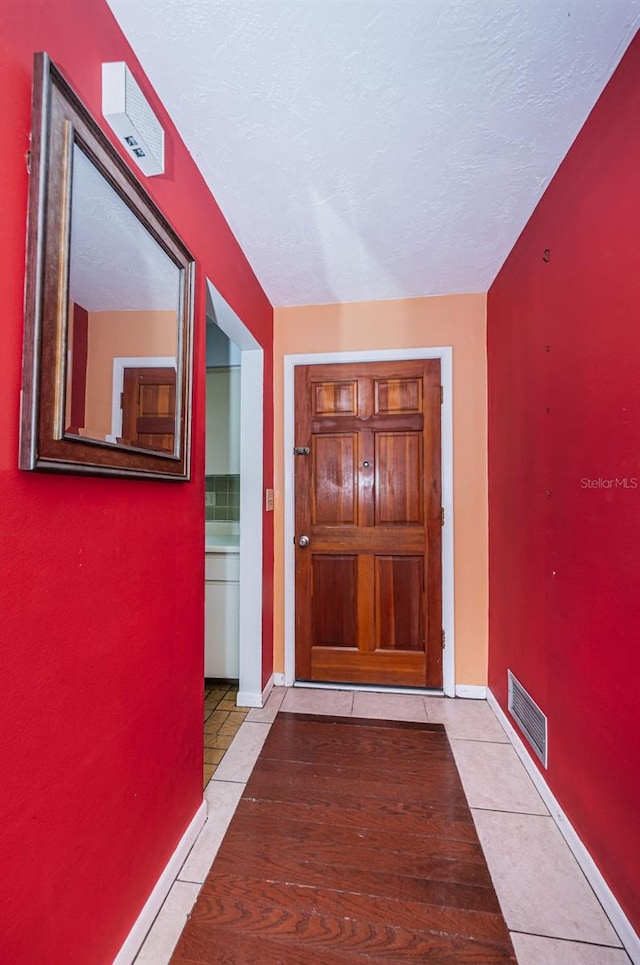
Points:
x=247 y=699
x=278 y=680
x=135 y=938
x=471 y=691
x=445 y=354
x=603 y=892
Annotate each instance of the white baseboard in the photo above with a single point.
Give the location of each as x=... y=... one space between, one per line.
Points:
x=603 y=892
x=471 y=691
x=268 y=687
x=135 y=938
x=278 y=680
x=247 y=699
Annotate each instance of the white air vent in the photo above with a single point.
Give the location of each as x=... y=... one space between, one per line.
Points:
x=526 y=712
x=129 y=114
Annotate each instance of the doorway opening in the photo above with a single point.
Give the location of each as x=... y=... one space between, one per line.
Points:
x=249 y=594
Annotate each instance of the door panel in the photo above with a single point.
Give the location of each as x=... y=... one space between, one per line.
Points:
x=399 y=602
x=333 y=491
x=368 y=496
x=399 y=485
x=398 y=395
x=334 y=600
x=332 y=398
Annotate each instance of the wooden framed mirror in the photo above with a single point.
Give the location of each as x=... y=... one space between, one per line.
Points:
x=108 y=307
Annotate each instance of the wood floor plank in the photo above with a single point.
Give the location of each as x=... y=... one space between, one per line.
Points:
x=221 y=946
x=438 y=858
x=325 y=746
x=459 y=922
x=436 y=787
x=314 y=872
x=295 y=831
x=427 y=820
x=312 y=938
x=353 y=842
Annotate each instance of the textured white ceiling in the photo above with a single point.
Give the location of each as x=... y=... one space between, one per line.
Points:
x=370 y=149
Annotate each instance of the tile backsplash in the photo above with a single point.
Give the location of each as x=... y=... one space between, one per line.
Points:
x=222 y=497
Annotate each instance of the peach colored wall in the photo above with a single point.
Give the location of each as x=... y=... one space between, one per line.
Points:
x=121 y=335
x=453 y=320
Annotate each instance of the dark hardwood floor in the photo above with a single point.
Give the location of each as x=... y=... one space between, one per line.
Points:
x=353 y=842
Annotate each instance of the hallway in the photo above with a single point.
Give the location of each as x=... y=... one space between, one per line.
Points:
x=552 y=913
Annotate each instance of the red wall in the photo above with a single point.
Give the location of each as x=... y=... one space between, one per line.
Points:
x=564 y=410
x=102 y=584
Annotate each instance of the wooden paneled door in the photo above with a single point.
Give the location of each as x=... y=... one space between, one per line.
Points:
x=369 y=523
x=149 y=408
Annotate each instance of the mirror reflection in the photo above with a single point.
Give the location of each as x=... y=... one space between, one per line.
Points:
x=123 y=322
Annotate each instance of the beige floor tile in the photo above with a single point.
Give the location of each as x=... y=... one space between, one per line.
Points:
x=221 y=741
x=465 y=719
x=308 y=700
x=232 y=724
x=228 y=730
x=237 y=713
x=239 y=760
x=207 y=773
x=222 y=799
x=167 y=928
x=383 y=706
x=539 y=883
x=215 y=718
x=212 y=701
x=534 y=950
x=493 y=777
x=267 y=714
x=229 y=703
x=213 y=755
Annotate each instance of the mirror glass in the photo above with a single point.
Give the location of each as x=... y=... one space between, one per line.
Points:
x=122 y=326
x=107 y=358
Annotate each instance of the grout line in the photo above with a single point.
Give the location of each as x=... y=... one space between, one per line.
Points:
x=531 y=814
x=573 y=941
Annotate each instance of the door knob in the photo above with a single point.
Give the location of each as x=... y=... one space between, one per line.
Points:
x=303 y=541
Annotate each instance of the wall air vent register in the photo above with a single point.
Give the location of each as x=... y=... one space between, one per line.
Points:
x=531 y=720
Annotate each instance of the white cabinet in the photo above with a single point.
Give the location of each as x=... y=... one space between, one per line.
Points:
x=222 y=614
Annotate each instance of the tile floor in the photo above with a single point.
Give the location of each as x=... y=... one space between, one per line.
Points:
x=222 y=720
x=553 y=915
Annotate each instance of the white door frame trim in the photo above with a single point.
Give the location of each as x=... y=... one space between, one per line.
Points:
x=445 y=354
x=251 y=481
